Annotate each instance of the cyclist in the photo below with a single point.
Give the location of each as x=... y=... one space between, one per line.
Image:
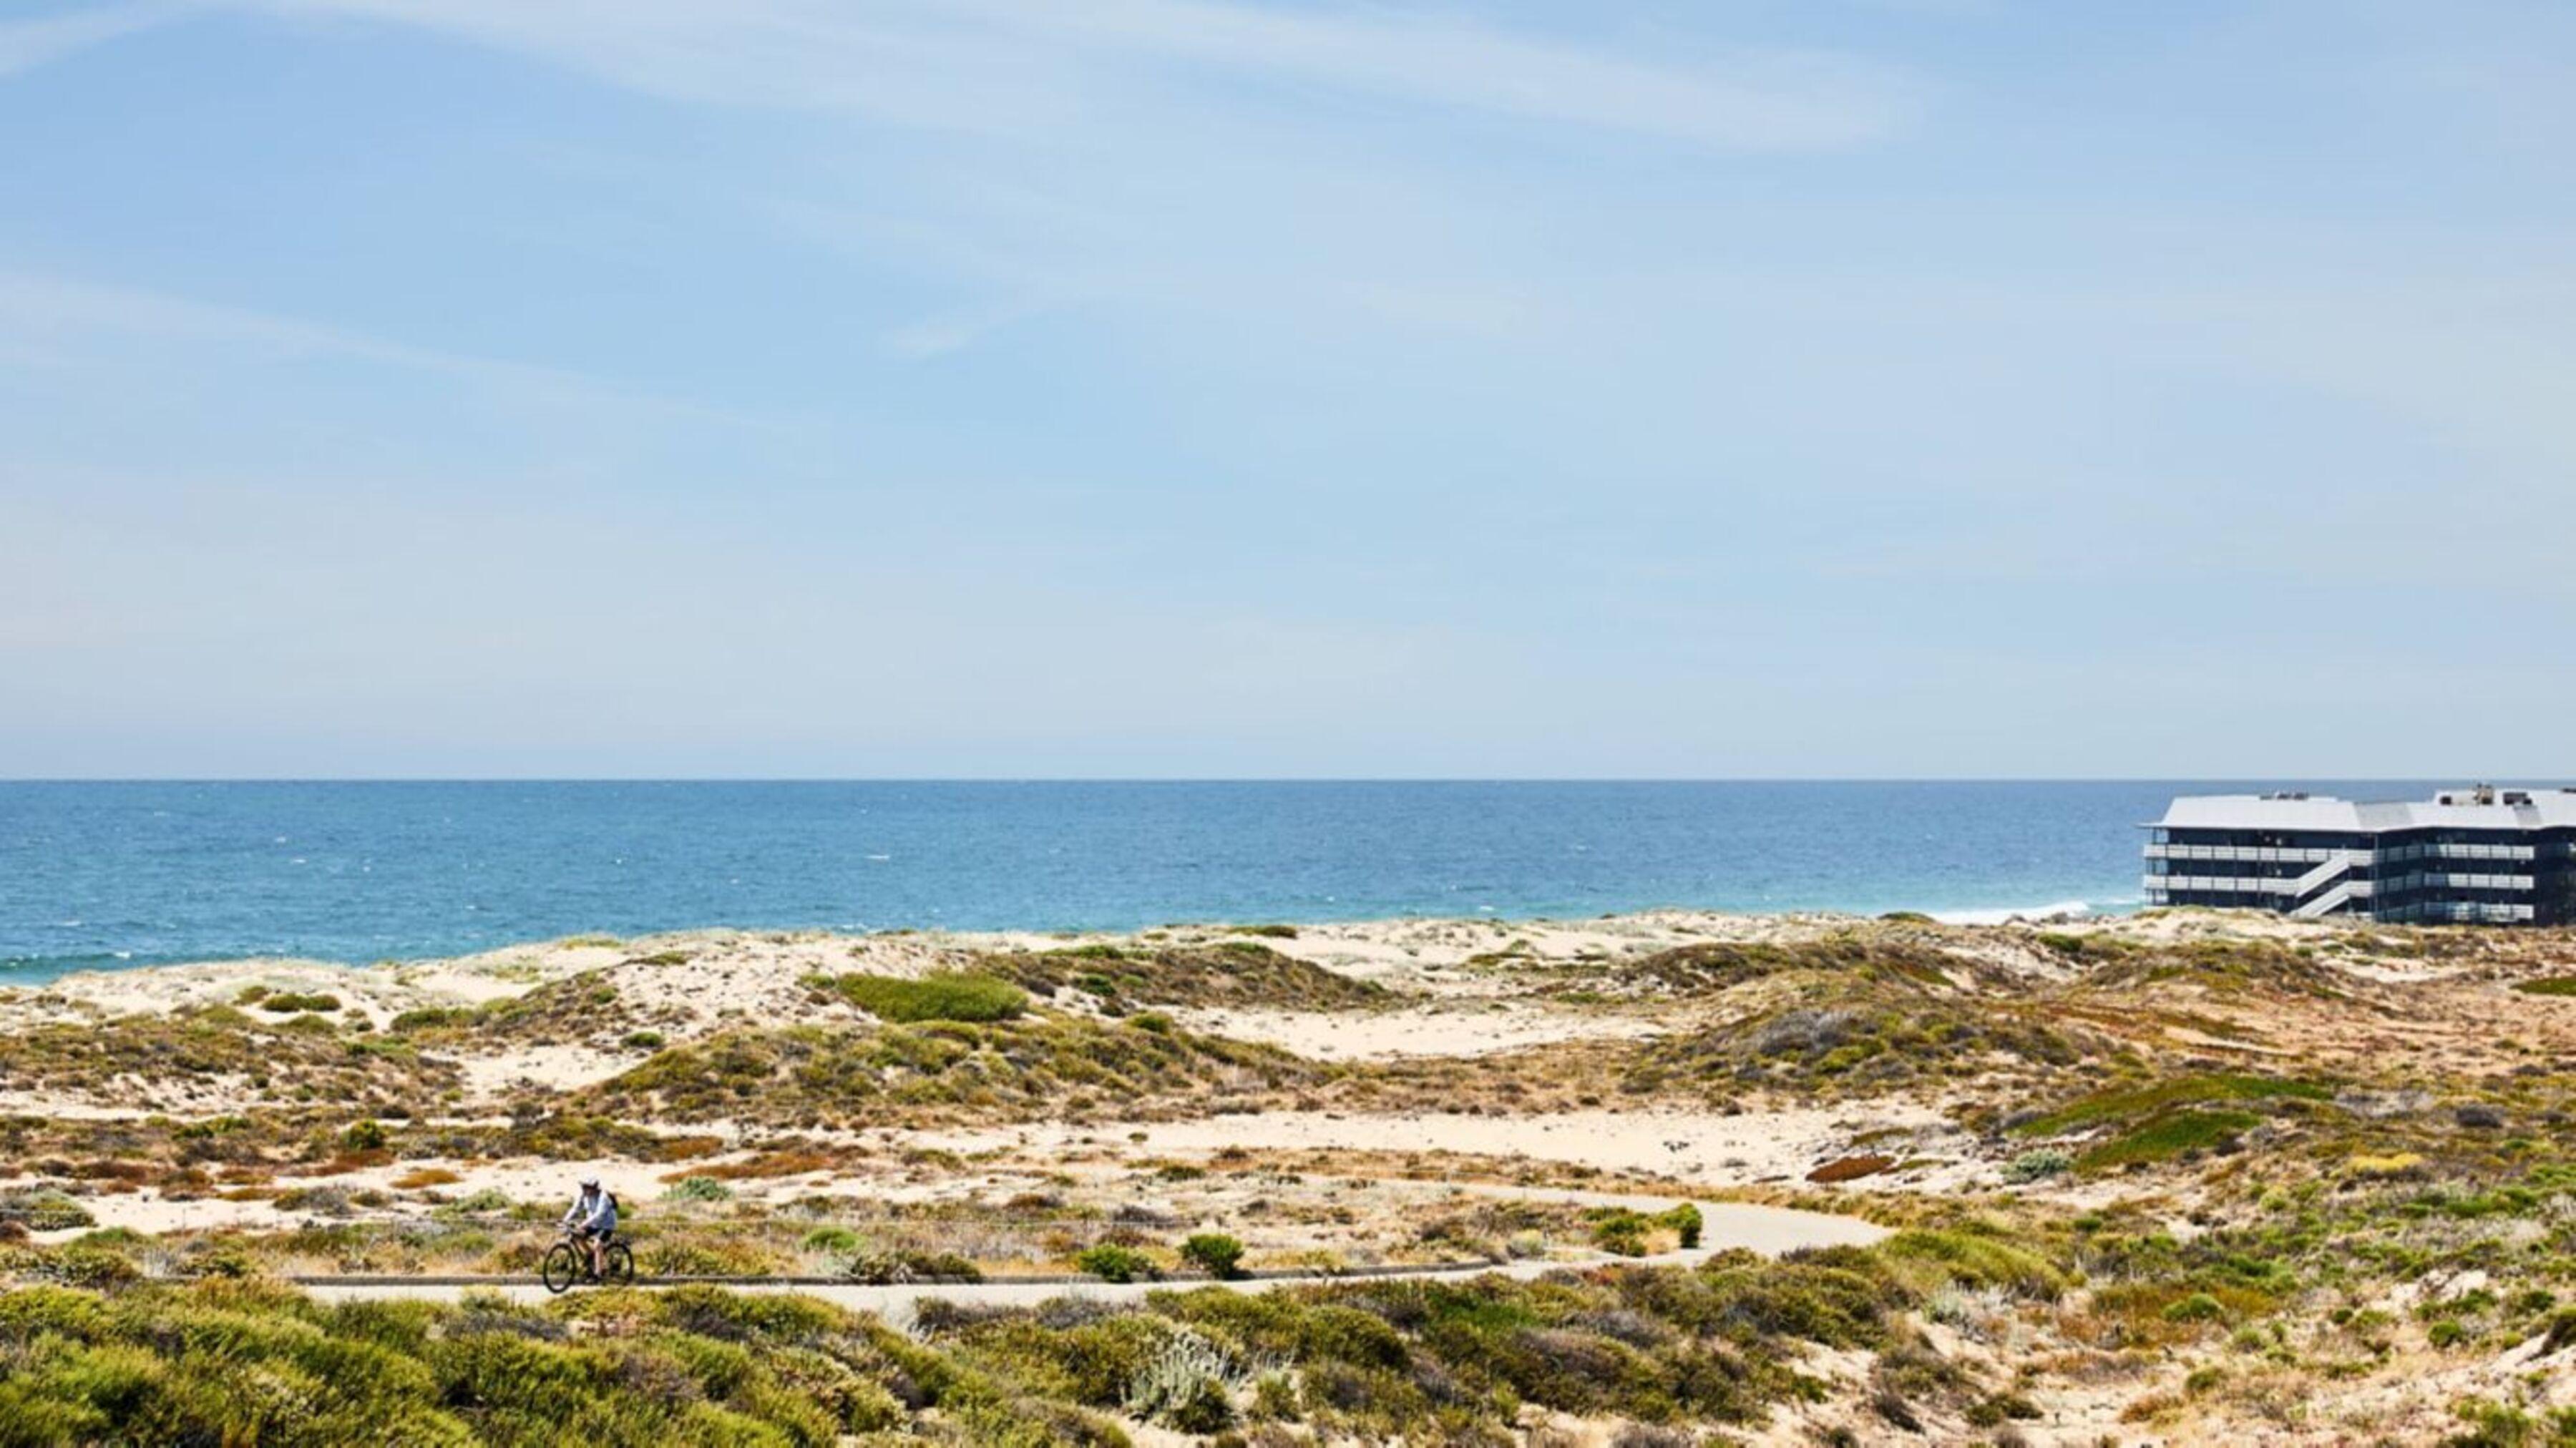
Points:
x=592 y=1220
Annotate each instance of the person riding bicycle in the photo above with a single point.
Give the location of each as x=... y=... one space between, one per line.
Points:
x=592 y=1220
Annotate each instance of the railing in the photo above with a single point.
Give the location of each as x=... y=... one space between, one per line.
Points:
x=2327 y=903
x=2278 y=854
x=2309 y=855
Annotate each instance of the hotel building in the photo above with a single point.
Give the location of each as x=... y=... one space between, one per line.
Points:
x=2484 y=855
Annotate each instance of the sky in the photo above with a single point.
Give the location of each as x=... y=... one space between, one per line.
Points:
x=1235 y=388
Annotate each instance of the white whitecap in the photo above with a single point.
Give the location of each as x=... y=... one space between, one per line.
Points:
x=2055 y=910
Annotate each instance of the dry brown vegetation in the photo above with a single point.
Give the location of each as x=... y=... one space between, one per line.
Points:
x=2187 y=1177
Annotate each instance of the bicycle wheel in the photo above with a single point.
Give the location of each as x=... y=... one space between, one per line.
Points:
x=621 y=1266
x=562 y=1269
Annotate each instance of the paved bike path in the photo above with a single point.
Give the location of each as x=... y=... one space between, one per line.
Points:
x=1726 y=1226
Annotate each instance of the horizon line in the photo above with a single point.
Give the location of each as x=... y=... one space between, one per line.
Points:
x=2472 y=778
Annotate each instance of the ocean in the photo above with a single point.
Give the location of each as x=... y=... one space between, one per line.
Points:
x=97 y=875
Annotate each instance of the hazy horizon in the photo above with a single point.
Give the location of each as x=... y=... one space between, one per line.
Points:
x=2291 y=782
x=1863 y=389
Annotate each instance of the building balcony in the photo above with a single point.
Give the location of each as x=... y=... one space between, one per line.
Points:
x=2278 y=854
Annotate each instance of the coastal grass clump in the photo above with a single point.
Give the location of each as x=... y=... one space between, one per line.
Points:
x=2550 y=985
x=585 y=1006
x=1218 y=974
x=239 y=1362
x=2227 y=969
x=940 y=1071
x=2176 y=1118
x=1854 y=1037
x=2129 y=1104
x=1718 y=1346
x=167 y=1060
x=1715 y=966
x=946 y=996
x=1111 y=1262
x=1626 y=1232
x=287 y=1003
x=1215 y=1253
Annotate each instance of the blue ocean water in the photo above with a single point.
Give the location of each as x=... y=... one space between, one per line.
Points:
x=106 y=874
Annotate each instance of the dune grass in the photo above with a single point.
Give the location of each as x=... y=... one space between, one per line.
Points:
x=938 y=1070
x=247 y=1361
x=940 y=997
x=2131 y=1103
x=1223 y=973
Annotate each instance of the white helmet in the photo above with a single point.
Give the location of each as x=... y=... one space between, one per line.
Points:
x=590 y=1184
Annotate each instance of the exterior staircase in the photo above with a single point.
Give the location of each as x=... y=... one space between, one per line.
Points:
x=2327 y=903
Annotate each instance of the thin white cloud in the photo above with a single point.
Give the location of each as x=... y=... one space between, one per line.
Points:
x=34 y=305
x=1016 y=64
x=41 y=313
x=26 y=44
x=947 y=332
x=1747 y=99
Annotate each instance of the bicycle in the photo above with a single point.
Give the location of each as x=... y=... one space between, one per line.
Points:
x=568 y=1263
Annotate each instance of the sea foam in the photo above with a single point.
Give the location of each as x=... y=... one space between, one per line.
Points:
x=2053 y=911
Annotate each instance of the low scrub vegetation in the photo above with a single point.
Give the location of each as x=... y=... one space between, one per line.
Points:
x=1214 y=1253
x=998 y=1071
x=152 y=1059
x=942 y=997
x=1116 y=980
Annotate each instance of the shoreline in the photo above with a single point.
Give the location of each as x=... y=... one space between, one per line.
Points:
x=31 y=972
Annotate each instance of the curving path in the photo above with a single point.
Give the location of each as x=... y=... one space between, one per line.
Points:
x=1727 y=1226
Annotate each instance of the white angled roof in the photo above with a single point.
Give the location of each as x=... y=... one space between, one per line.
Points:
x=2546 y=808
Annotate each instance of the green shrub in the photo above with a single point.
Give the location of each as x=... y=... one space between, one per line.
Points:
x=1184 y=1385
x=941 y=997
x=1686 y=1224
x=79 y=1265
x=45 y=1211
x=1977 y=1259
x=1620 y=1232
x=431 y=1018
x=1215 y=1253
x=698 y=1189
x=886 y=1268
x=2132 y=1104
x=287 y=1003
x=1112 y=1263
x=363 y=1136
x=2198 y=1307
x=2033 y=1166
x=1625 y=1233
x=2167 y=1137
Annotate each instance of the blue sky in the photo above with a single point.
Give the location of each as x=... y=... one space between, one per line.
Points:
x=1223 y=387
